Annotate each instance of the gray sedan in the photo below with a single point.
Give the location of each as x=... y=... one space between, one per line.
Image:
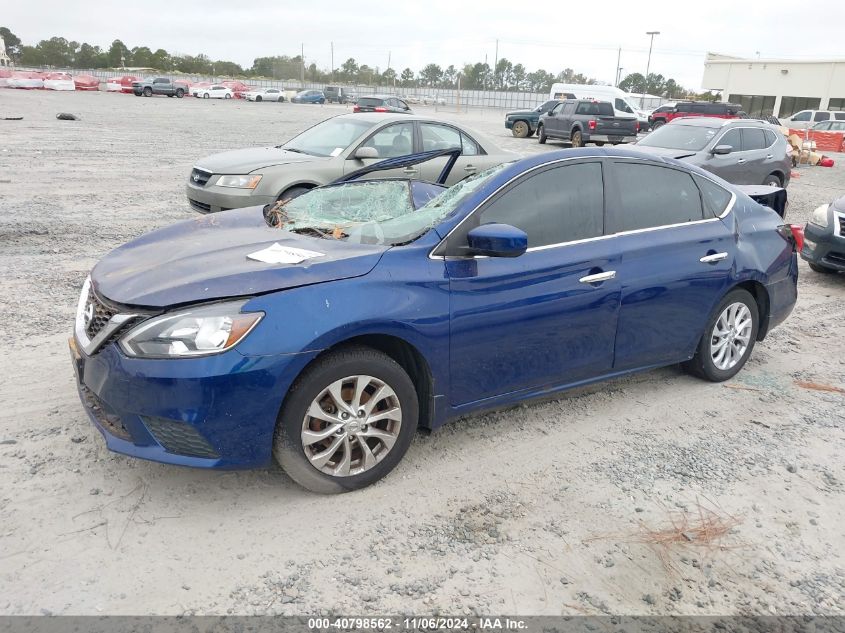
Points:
x=742 y=151
x=330 y=149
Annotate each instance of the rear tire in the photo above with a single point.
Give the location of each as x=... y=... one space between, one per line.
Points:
x=773 y=180
x=227 y=96
x=180 y=93
x=353 y=366
x=820 y=269
x=577 y=140
x=205 y=96
x=541 y=134
x=148 y=92
x=728 y=338
x=520 y=129
x=601 y=143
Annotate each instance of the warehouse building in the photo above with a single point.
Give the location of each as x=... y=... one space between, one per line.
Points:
x=779 y=87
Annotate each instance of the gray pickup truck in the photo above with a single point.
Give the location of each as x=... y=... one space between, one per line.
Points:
x=582 y=121
x=160 y=86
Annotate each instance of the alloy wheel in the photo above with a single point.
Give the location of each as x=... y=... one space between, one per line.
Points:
x=731 y=336
x=351 y=425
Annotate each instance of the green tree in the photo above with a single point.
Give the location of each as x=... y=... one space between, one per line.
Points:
x=31 y=56
x=431 y=75
x=91 y=57
x=349 y=69
x=450 y=76
x=407 y=77
x=502 y=73
x=142 y=56
x=119 y=55
x=161 y=60
x=518 y=75
x=388 y=77
x=633 y=82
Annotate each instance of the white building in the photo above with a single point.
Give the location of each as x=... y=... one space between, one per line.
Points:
x=777 y=86
x=4 y=57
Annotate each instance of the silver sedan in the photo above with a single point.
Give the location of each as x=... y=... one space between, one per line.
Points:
x=330 y=149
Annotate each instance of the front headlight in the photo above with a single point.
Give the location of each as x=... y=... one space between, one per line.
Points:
x=819 y=216
x=201 y=331
x=239 y=182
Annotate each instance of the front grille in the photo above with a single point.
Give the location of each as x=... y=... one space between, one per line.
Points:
x=842 y=225
x=108 y=420
x=200 y=177
x=97 y=314
x=179 y=438
x=199 y=206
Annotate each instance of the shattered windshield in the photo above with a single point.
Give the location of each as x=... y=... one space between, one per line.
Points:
x=328 y=138
x=369 y=211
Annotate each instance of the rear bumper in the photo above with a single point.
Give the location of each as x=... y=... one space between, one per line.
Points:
x=823 y=247
x=628 y=137
x=783 y=294
x=210 y=199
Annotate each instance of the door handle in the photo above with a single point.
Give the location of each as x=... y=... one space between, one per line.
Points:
x=712 y=259
x=769 y=156
x=469 y=168
x=740 y=161
x=410 y=170
x=598 y=277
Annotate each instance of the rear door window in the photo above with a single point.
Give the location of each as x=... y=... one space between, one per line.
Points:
x=652 y=196
x=821 y=116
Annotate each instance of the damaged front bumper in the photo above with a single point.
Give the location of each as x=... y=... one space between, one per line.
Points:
x=213 y=412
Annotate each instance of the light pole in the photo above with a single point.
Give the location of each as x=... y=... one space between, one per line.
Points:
x=648 y=64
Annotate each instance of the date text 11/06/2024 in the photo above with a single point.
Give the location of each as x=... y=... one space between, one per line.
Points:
x=410 y=623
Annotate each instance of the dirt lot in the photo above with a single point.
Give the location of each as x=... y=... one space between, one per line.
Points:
x=548 y=508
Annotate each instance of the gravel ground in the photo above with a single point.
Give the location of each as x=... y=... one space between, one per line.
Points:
x=547 y=508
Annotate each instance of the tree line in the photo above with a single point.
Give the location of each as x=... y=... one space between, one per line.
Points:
x=58 y=52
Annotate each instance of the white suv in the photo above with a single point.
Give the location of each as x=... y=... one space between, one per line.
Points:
x=808 y=118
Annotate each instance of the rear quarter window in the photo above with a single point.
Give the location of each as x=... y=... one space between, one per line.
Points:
x=715 y=199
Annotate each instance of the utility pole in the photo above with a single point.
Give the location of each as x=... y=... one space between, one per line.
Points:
x=618 y=59
x=302 y=65
x=332 y=62
x=495 y=63
x=619 y=75
x=648 y=65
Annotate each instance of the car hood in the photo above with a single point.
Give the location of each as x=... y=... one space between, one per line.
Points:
x=522 y=113
x=244 y=161
x=665 y=152
x=206 y=259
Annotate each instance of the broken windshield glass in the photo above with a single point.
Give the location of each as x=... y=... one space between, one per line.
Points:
x=369 y=211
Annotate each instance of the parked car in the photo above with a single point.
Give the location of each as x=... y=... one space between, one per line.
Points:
x=742 y=151
x=197 y=88
x=582 y=121
x=822 y=126
x=807 y=118
x=309 y=96
x=523 y=123
x=121 y=84
x=382 y=103
x=328 y=150
x=824 y=242
x=337 y=94
x=268 y=94
x=159 y=86
x=59 y=81
x=432 y=100
x=217 y=91
x=664 y=114
x=324 y=331
x=86 y=82
x=238 y=88
x=26 y=80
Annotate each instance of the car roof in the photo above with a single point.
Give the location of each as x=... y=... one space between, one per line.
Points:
x=712 y=121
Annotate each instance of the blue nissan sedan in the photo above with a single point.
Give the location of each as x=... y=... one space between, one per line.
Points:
x=324 y=330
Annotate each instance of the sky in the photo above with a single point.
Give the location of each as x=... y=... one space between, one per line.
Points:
x=412 y=33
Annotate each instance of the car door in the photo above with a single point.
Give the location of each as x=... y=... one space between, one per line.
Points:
x=731 y=166
x=552 y=121
x=675 y=261
x=547 y=317
x=390 y=141
x=756 y=154
x=441 y=136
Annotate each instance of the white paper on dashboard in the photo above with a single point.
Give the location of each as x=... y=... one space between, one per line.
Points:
x=278 y=254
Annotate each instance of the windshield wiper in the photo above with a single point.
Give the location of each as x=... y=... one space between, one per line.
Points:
x=293 y=149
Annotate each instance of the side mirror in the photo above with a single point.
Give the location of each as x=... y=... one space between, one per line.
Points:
x=721 y=150
x=497 y=240
x=366 y=152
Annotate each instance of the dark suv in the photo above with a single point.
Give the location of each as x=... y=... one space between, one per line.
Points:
x=382 y=103
x=664 y=114
x=335 y=94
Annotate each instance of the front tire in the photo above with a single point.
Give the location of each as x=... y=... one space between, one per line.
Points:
x=728 y=338
x=347 y=421
x=148 y=92
x=520 y=129
x=657 y=124
x=227 y=96
x=820 y=269
x=541 y=134
x=292 y=193
x=205 y=96
x=258 y=99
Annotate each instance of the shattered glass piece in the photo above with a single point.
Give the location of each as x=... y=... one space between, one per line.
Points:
x=278 y=254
